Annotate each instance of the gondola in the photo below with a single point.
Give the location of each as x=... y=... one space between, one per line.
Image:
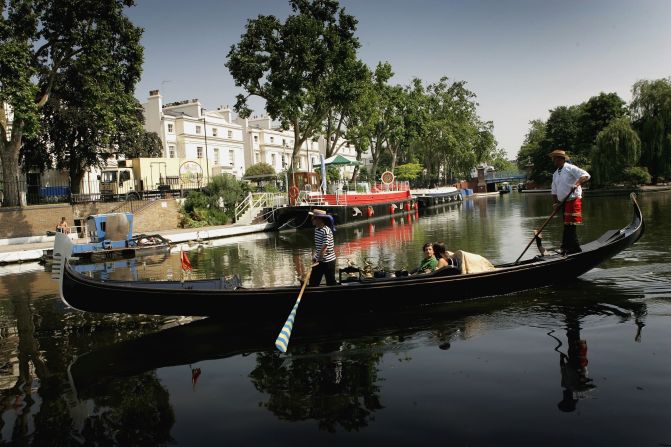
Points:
x=216 y=297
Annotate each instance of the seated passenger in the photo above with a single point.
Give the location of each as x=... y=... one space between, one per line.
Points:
x=444 y=257
x=429 y=262
x=465 y=261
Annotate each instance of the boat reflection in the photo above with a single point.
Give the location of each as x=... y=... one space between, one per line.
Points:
x=332 y=372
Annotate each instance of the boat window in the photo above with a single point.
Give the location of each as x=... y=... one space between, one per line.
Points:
x=108 y=177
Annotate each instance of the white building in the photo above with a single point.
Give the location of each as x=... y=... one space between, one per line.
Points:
x=231 y=145
x=187 y=130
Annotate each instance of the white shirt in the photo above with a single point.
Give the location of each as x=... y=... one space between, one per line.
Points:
x=564 y=179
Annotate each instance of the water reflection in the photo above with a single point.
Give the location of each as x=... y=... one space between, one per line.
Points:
x=66 y=376
x=333 y=373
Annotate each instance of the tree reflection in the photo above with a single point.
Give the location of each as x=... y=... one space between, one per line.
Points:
x=331 y=389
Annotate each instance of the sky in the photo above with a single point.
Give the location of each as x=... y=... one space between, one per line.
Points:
x=521 y=58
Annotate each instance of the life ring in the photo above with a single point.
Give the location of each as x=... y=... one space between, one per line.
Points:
x=293 y=192
x=387 y=177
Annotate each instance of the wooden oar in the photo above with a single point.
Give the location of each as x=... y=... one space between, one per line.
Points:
x=561 y=205
x=282 y=342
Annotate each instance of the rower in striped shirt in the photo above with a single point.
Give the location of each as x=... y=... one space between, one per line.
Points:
x=324 y=258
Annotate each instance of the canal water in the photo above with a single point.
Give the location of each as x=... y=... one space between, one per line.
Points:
x=583 y=363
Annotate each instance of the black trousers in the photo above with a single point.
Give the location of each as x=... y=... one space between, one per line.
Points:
x=570 y=242
x=323 y=269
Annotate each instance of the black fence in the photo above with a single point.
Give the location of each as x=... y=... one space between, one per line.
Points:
x=89 y=191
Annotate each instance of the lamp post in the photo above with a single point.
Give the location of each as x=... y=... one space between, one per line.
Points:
x=207 y=160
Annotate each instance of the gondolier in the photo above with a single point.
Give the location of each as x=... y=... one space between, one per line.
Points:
x=324 y=257
x=566 y=184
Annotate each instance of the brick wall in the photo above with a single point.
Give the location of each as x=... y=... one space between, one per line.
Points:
x=36 y=220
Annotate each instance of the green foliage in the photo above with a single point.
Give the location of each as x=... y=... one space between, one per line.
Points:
x=500 y=162
x=408 y=171
x=637 y=175
x=595 y=115
x=651 y=112
x=259 y=169
x=303 y=68
x=204 y=208
x=68 y=69
x=617 y=148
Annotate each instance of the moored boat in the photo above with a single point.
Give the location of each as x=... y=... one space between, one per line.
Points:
x=348 y=207
x=437 y=196
x=353 y=294
x=111 y=237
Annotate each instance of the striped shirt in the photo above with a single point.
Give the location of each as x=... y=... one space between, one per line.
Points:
x=324 y=236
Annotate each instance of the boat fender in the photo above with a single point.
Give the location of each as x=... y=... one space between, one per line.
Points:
x=369 y=211
x=407 y=206
x=107 y=244
x=392 y=208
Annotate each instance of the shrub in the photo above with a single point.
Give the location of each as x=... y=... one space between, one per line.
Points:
x=636 y=175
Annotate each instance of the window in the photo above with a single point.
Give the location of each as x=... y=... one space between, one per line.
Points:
x=231 y=157
x=230 y=134
x=256 y=157
x=284 y=162
x=273 y=160
x=256 y=138
x=171 y=129
x=284 y=142
x=124 y=176
x=214 y=131
x=216 y=156
x=171 y=151
x=197 y=129
x=272 y=140
x=312 y=161
x=199 y=152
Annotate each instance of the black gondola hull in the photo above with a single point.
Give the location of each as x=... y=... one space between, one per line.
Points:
x=208 y=298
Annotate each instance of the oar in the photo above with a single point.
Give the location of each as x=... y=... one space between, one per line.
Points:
x=282 y=341
x=561 y=205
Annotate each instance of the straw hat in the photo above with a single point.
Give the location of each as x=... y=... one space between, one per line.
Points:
x=558 y=153
x=318 y=213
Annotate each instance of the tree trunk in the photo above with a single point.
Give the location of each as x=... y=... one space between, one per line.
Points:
x=11 y=176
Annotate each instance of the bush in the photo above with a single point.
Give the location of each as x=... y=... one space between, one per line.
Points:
x=636 y=175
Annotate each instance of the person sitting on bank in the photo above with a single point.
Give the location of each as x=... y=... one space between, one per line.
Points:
x=324 y=258
x=63 y=227
x=429 y=262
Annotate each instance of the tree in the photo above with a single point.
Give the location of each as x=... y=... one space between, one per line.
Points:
x=132 y=140
x=259 y=169
x=87 y=47
x=303 y=68
x=617 y=148
x=596 y=113
x=408 y=171
x=651 y=112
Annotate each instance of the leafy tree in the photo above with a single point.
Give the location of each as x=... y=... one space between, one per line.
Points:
x=651 y=112
x=408 y=171
x=303 y=68
x=132 y=140
x=596 y=114
x=532 y=145
x=500 y=162
x=52 y=50
x=617 y=148
x=259 y=169
x=366 y=126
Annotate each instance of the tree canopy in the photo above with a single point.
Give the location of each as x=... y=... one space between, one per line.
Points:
x=304 y=68
x=68 y=70
x=651 y=112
